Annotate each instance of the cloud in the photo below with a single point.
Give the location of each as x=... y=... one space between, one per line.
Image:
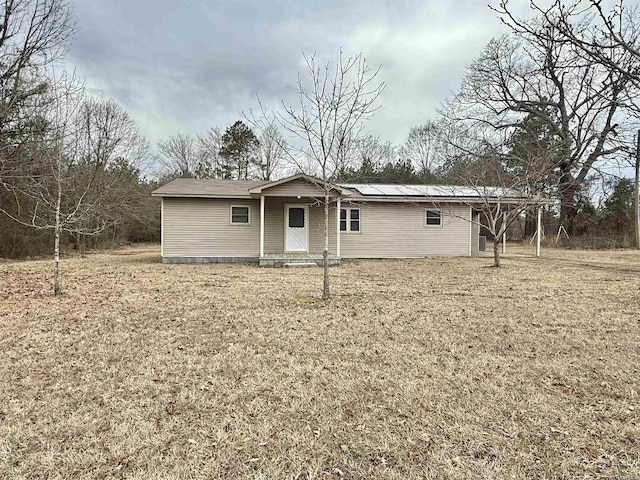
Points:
x=188 y=66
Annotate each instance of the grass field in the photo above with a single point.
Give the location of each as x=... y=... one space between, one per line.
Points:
x=436 y=368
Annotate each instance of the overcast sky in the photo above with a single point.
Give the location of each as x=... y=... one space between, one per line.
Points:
x=182 y=66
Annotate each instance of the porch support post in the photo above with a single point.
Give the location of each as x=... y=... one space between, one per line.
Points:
x=539 y=231
x=261 y=225
x=338 y=227
x=504 y=233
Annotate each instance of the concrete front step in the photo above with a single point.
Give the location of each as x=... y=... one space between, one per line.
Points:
x=300 y=264
x=273 y=261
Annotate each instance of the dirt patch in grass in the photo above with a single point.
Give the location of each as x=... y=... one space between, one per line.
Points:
x=437 y=368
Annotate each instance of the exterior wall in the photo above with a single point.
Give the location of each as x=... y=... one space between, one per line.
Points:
x=398 y=230
x=201 y=227
x=274 y=225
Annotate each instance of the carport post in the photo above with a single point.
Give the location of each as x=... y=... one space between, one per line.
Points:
x=539 y=231
x=338 y=227
x=261 y=225
x=504 y=233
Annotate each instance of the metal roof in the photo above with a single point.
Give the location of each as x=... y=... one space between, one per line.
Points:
x=399 y=190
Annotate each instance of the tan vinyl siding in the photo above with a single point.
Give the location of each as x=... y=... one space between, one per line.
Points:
x=274 y=225
x=295 y=188
x=316 y=232
x=398 y=230
x=201 y=228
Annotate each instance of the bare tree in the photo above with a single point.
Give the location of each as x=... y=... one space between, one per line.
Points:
x=370 y=156
x=110 y=153
x=584 y=104
x=421 y=148
x=610 y=38
x=377 y=150
x=208 y=153
x=34 y=35
x=503 y=177
x=80 y=152
x=607 y=37
x=333 y=102
x=44 y=184
x=272 y=150
x=179 y=155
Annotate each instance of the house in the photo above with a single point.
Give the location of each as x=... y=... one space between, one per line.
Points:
x=283 y=220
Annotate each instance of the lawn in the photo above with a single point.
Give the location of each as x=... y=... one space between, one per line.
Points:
x=436 y=368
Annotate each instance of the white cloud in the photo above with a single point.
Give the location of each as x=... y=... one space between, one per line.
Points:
x=185 y=67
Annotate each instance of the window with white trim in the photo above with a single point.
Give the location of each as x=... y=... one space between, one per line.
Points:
x=349 y=220
x=433 y=217
x=240 y=215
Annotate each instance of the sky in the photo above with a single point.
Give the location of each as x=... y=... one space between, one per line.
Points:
x=181 y=66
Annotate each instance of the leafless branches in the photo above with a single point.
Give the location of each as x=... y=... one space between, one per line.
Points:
x=84 y=168
x=607 y=37
x=327 y=124
x=178 y=155
x=34 y=35
x=536 y=73
x=422 y=147
x=333 y=102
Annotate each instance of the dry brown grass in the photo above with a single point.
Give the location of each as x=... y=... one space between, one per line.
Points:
x=437 y=368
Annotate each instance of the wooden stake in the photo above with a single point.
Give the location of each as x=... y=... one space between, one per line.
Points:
x=539 y=231
x=504 y=233
x=637 y=192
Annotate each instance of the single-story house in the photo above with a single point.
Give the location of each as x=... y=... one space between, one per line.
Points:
x=283 y=220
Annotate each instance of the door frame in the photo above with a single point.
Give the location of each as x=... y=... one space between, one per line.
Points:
x=286 y=225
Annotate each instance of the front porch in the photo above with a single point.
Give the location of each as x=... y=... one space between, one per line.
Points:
x=291 y=223
x=274 y=259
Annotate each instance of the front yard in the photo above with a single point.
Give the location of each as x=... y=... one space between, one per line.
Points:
x=437 y=368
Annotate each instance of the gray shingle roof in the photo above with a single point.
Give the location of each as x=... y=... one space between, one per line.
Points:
x=191 y=187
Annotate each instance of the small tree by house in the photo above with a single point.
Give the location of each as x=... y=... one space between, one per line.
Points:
x=333 y=102
x=506 y=175
x=74 y=183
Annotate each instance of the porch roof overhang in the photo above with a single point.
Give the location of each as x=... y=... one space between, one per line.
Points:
x=334 y=189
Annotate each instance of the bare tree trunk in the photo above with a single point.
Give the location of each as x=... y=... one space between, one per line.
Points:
x=56 y=248
x=529 y=225
x=568 y=211
x=325 y=252
x=83 y=246
x=496 y=251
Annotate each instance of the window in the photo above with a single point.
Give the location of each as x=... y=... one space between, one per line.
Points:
x=240 y=215
x=349 y=219
x=296 y=217
x=354 y=223
x=433 y=218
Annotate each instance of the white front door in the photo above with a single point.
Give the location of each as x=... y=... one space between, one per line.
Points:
x=296 y=228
